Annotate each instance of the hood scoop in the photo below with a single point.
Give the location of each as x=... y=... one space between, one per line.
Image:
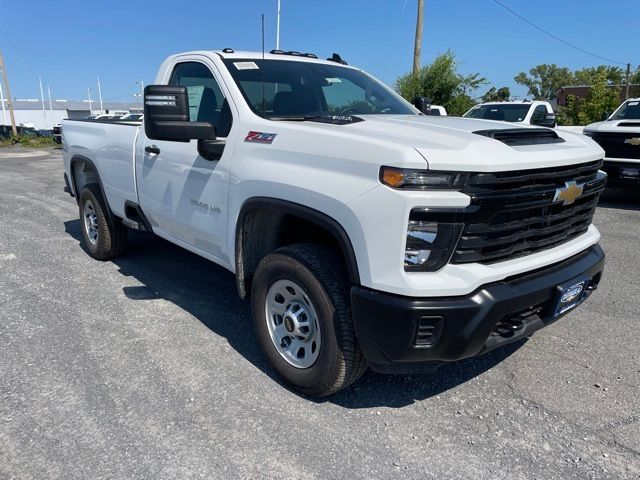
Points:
x=522 y=136
x=629 y=124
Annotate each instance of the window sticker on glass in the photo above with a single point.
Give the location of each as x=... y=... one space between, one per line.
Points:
x=246 y=65
x=333 y=80
x=633 y=104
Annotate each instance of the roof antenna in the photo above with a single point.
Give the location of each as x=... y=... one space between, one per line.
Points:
x=263 y=94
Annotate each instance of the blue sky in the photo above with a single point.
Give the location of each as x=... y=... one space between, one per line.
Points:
x=69 y=43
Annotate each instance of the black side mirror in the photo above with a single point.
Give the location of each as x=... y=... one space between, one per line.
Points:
x=544 y=119
x=423 y=104
x=166 y=116
x=548 y=120
x=605 y=116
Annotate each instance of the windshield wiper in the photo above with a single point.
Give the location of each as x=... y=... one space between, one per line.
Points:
x=332 y=119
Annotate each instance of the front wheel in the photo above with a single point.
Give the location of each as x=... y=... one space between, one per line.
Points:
x=302 y=316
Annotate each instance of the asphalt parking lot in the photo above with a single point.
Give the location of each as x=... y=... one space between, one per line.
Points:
x=147 y=367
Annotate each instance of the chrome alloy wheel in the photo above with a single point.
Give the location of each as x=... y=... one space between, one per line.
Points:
x=293 y=323
x=90 y=222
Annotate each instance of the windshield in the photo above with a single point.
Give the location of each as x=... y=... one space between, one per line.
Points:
x=628 y=111
x=284 y=88
x=506 y=112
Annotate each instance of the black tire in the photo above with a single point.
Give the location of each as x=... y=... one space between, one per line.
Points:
x=323 y=277
x=111 y=240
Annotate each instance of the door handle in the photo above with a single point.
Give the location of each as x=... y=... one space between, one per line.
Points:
x=152 y=149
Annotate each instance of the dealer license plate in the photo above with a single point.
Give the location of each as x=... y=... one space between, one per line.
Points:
x=630 y=172
x=570 y=295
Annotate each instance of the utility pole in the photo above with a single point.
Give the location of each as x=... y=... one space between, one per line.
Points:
x=100 y=95
x=626 y=94
x=3 y=67
x=278 y=28
x=141 y=94
x=90 y=101
x=417 y=47
x=44 y=111
x=4 y=112
x=50 y=105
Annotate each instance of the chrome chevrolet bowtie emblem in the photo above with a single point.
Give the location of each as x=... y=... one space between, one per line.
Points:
x=568 y=193
x=633 y=141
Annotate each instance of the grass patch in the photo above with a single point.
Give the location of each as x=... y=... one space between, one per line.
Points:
x=28 y=141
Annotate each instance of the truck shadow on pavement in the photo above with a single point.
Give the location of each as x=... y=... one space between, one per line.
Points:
x=208 y=292
x=621 y=199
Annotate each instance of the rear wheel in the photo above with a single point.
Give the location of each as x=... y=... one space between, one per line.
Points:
x=104 y=238
x=302 y=316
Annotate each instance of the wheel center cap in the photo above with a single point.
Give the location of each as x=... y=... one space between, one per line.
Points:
x=288 y=324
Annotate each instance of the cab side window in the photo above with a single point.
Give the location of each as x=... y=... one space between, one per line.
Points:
x=206 y=100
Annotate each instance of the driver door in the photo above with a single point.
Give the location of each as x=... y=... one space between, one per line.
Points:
x=183 y=194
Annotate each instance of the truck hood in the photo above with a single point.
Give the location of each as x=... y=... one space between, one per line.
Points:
x=448 y=143
x=621 y=126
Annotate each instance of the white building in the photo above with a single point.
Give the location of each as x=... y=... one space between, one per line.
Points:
x=28 y=112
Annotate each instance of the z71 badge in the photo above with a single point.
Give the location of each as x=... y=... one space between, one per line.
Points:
x=260 y=137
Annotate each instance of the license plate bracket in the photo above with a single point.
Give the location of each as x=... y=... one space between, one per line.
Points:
x=630 y=172
x=570 y=294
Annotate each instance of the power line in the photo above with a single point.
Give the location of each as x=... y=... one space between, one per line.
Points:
x=22 y=59
x=558 y=38
x=396 y=24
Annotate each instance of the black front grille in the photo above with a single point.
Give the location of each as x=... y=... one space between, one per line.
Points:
x=513 y=214
x=618 y=144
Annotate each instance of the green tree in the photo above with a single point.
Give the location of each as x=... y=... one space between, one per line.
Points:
x=600 y=99
x=460 y=104
x=502 y=94
x=613 y=75
x=471 y=82
x=544 y=81
x=568 y=114
x=441 y=82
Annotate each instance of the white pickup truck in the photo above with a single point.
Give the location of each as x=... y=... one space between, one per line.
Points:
x=364 y=232
x=619 y=136
x=536 y=112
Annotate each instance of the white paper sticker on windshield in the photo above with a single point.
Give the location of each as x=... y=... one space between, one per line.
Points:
x=333 y=80
x=633 y=104
x=246 y=66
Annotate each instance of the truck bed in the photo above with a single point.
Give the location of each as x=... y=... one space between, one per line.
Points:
x=110 y=145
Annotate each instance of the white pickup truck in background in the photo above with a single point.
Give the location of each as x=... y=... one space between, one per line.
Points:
x=363 y=232
x=525 y=112
x=619 y=136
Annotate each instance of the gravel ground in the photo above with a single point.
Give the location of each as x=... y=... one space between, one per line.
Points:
x=147 y=367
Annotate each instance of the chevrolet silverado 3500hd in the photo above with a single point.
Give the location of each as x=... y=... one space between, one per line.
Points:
x=619 y=136
x=364 y=232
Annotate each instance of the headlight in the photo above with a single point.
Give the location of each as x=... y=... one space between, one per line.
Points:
x=588 y=133
x=429 y=244
x=414 y=179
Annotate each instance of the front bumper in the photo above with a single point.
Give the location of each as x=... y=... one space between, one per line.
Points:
x=622 y=173
x=407 y=335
